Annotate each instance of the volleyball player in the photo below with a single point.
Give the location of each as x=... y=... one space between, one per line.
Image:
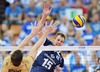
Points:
x=48 y=61
x=15 y=62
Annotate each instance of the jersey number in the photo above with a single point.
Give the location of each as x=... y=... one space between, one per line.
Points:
x=47 y=63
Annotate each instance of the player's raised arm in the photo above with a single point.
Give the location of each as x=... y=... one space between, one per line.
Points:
x=34 y=32
x=47 y=31
x=46 y=12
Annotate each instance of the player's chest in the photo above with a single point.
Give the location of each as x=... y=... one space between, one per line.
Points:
x=53 y=57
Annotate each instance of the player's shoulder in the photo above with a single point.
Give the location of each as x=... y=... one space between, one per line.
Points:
x=47 y=42
x=7 y=60
x=28 y=58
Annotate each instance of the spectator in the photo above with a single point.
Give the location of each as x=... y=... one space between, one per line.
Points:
x=77 y=37
x=32 y=8
x=97 y=43
x=78 y=67
x=25 y=3
x=95 y=24
x=56 y=2
x=63 y=26
x=88 y=35
x=94 y=7
x=18 y=3
x=93 y=67
x=86 y=2
x=62 y=9
x=80 y=5
x=8 y=39
x=70 y=59
x=64 y=69
x=26 y=28
x=71 y=35
x=82 y=42
x=13 y=13
x=71 y=2
x=4 y=29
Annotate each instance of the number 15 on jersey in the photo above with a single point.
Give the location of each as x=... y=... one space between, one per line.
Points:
x=47 y=63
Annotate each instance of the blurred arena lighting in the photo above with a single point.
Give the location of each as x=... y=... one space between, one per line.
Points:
x=53 y=48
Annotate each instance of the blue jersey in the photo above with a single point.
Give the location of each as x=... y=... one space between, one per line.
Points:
x=79 y=68
x=47 y=60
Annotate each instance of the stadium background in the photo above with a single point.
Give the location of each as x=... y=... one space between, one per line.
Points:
x=15 y=26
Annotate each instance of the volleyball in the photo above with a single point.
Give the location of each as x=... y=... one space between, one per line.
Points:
x=78 y=21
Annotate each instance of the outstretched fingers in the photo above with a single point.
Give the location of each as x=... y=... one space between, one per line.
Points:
x=47 y=6
x=55 y=24
x=50 y=9
x=46 y=24
x=51 y=23
x=35 y=24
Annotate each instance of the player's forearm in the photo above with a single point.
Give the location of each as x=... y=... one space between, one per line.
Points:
x=35 y=48
x=42 y=21
x=40 y=41
x=25 y=41
x=41 y=24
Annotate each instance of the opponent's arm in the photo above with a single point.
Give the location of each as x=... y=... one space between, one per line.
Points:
x=46 y=12
x=34 y=32
x=35 y=48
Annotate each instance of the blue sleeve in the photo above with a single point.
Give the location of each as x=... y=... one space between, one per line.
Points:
x=84 y=67
x=26 y=10
x=72 y=68
x=19 y=10
x=47 y=42
x=7 y=11
x=24 y=27
x=39 y=11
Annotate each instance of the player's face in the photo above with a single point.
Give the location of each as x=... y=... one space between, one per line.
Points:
x=58 y=41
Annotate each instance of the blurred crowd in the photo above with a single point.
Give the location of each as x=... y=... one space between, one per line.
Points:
x=25 y=12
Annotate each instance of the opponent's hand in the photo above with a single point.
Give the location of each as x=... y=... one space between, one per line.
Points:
x=35 y=29
x=50 y=28
x=46 y=9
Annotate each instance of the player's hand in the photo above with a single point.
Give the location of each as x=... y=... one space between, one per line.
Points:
x=35 y=29
x=46 y=9
x=50 y=28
